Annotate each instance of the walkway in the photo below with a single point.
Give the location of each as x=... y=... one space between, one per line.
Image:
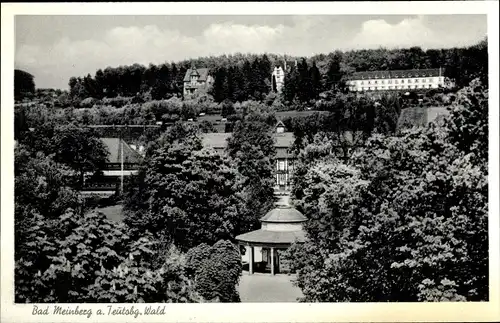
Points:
x=267 y=288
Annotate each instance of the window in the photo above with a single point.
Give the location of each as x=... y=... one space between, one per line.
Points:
x=389 y=81
x=409 y=81
x=396 y=81
x=430 y=80
x=361 y=83
x=383 y=82
x=369 y=82
x=281 y=165
x=402 y=81
x=416 y=80
x=423 y=80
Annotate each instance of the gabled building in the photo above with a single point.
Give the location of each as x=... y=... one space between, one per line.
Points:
x=398 y=80
x=197 y=80
x=122 y=161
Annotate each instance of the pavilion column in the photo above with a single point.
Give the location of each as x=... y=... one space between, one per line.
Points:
x=272 y=261
x=250 y=261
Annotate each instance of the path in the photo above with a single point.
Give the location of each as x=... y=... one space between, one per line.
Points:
x=267 y=288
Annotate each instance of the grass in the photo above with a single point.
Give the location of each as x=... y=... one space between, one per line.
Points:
x=412 y=117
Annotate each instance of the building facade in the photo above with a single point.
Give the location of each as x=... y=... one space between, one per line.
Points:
x=398 y=80
x=123 y=160
x=278 y=79
x=197 y=80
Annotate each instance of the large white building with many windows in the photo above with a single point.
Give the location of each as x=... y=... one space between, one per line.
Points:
x=398 y=80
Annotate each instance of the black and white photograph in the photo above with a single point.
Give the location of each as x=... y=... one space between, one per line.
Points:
x=249 y=158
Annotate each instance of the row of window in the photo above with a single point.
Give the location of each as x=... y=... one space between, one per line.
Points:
x=396 y=81
x=392 y=87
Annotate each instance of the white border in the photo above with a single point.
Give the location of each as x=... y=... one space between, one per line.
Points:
x=275 y=312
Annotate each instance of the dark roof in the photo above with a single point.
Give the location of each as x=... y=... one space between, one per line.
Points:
x=272 y=237
x=284 y=214
x=430 y=72
x=201 y=72
x=129 y=154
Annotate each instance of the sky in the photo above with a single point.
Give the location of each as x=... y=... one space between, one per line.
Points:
x=55 y=48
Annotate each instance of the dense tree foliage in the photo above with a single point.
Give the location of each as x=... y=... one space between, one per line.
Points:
x=251 y=147
x=242 y=77
x=405 y=219
x=64 y=255
x=216 y=270
x=77 y=259
x=76 y=147
x=24 y=85
x=189 y=195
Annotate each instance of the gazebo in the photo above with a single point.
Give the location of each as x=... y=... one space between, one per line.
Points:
x=281 y=227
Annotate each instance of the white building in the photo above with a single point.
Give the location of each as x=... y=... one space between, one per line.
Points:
x=278 y=76
x=398 y=80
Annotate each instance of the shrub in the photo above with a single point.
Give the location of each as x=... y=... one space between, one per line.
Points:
x=216 y=270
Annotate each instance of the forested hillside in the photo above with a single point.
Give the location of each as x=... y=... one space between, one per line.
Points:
x=242 y=77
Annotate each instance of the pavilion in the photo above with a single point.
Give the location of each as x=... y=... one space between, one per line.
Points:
x=281 y=227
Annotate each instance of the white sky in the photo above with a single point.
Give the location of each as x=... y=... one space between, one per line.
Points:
x=54 y=48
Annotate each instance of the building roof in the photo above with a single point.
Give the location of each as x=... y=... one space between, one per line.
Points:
x=430 y=72
x=272 y=237
x=219 y=140
x=129 y=154
x=284 y=214
x=201 y=72
x=215 y=140
x=284 y=139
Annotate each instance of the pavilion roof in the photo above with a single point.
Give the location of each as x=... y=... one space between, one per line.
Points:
x=272 y=237
x=284 y=214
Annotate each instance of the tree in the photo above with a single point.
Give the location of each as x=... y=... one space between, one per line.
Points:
x=197 y=198
x=252 y=149
x=42 y=185
x=78 y=259
x=334 y=74
x=304 y=89
x=216 y=270
x=274 y=88
x=193 y=194
x=80 y=149
x=220 y=86
x=315 y=79
x=405 y=219
x=24 y=84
